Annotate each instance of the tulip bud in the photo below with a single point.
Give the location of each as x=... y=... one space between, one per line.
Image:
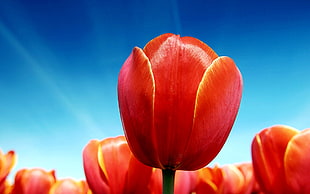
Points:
x=178 y=101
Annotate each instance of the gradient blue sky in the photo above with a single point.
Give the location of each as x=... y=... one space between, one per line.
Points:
x=59 y=63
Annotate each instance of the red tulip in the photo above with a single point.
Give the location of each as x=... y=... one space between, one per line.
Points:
x=111 y=168
x=7 y=161
x=281 y=160
x=178 y=101
x=69 y=186
x=33 y=181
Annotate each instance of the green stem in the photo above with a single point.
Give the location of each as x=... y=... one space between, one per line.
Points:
x=168 y=181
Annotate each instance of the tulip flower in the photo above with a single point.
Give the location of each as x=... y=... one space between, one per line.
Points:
x=178 y=101
x=296 y=163
x=33 y=181
x=7 y=161
x=69 y=186
x=228 y=179
x=238 y=179
x=111 y=168
x=210 y=180
x=281 y=159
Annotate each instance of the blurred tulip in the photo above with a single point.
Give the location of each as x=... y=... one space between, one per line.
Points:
x=33 y=181
x=7 y=162
x=238 y=179
x=69 y=186
x=178 y=101
x=251 y=185
x=281 y=160
x=210 y=180
x=228 y=179
x=297 y=163
x=111 y=168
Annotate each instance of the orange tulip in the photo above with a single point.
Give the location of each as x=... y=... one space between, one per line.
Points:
x=228 y=179
x=7 y=161
x=281 y=160
x=111 y=168
x=69 y=186
x=178 y=101
x=33 y=181
x=210 y=180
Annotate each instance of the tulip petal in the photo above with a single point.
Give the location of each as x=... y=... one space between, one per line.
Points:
x=110 y=167
x=296 y=163
x=94 y=176
x=185 y=182
x=7 y=162
x=268 y=148
x=178 y=65
x=210 y=180
x=113 y=158
x=206 y=53
x=155 y=44
x=155 y=184
x=136 y=102
x=234 y=181
x=247 y=171
x=138 y=176
x=216 y=107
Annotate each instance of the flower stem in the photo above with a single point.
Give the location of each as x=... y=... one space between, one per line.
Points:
x=168 y=181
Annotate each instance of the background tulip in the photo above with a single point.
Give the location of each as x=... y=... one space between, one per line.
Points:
x=69 y=186
x=296 y=163
x=111 y=168
x=210 y=180
x=178 y=101
x=228 y=179
x=7 y=162
x=33 y=181
x=238 y=179
x=269 y=150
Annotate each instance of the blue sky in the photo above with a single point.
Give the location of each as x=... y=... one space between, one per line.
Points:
x=59 y=63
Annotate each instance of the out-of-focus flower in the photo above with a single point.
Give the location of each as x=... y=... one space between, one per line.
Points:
x=33 y=181
x=281 y=160
x=297 y=163
x=228 y=179
x=178 y=101
x=7 y=162
x=69 y=186
x=238 y=179
x=210 y=180
x=111 y=168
